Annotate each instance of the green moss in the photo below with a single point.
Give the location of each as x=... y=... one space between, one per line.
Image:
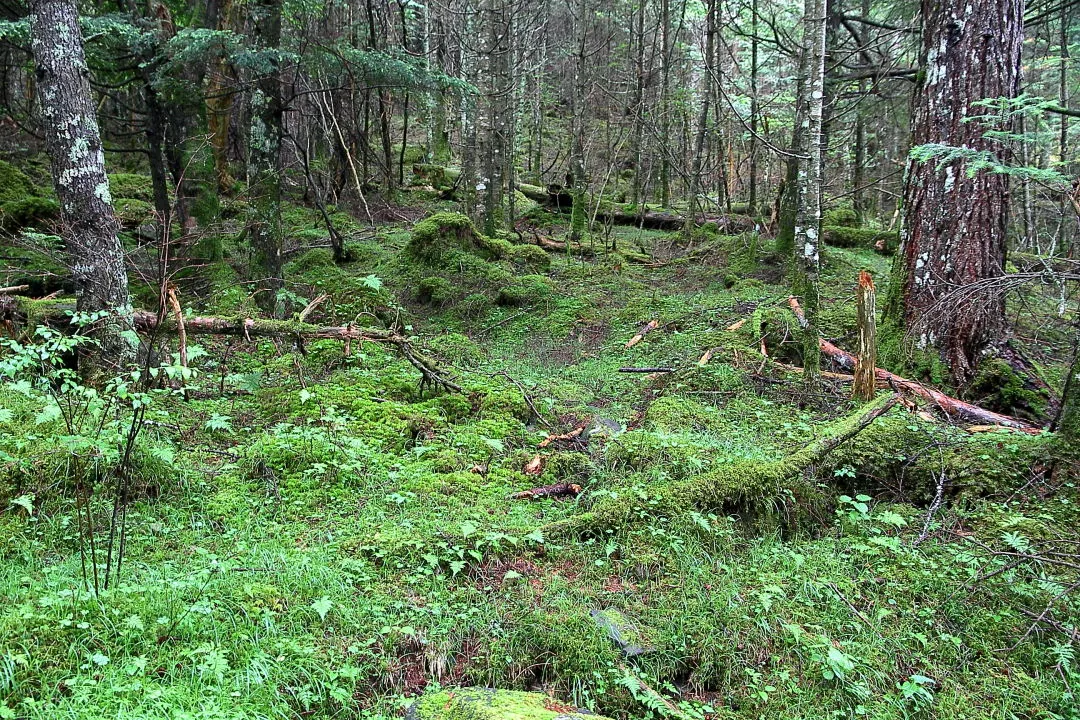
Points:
x=856 y=237
x=525 y=290
x=568 y=467
x=28 y=212
x=132 y=213
x=458 y=349
x=672 y=414
x=998 y=387
x=434 y=291
x=840 y=216
x=131 y=187
x=14 y=184
x=490 y=704
x=318 y=259
x=437 y=235
x=531 y=257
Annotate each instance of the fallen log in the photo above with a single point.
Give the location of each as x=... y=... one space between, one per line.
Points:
x=949 y=405
x=574 y=435
x=548 y=491
x=20 y=309
x=729 y=486
x=555 y=198
x=646 y=369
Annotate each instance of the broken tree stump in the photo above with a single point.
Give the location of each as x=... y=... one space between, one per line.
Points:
x=866 y=360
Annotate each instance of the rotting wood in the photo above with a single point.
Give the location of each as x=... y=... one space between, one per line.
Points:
x=178 y=315
x=646 y=369
x=949 y=405
x=548 y=491
x=15 y=308
x=14 y=289
x=573 y=435
x=645 y=330
x=866 y=361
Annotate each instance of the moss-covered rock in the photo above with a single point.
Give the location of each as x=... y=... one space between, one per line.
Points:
x=530 y=257
x=28 y=212
x=434 y=291
x=132 y=213
x=14 y=184
x=840 y=216
x=491 y=704
x=437 y=236
x=525 y=290
x=131 y=186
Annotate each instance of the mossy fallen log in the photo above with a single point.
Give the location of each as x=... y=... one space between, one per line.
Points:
x=26 y=311
x=556 y=198
x=732 y=486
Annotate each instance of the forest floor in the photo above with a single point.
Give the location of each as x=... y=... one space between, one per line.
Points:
x=314 y=536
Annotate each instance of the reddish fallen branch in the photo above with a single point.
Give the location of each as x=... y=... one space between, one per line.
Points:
x=547 y=491
x=949 y=405
x=573 y=435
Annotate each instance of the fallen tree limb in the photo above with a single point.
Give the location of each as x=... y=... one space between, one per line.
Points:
x=547 y=491
x=14 y=289
x=21 y=309
x=729 y=486
x=645 y=330
x=949 y=405
x=646 y=369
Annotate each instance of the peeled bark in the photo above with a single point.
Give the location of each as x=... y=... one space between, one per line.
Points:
x=954 y=223
x=78 y=167
x=866 y=361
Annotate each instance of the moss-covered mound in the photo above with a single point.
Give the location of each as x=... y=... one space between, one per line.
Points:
x=131 y=186
x=438 y=235
x=14 y=184
x=489 y=704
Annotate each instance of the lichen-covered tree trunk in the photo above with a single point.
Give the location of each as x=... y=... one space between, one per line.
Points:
x=955 y=218
x=264 y=158
x=578 y=179
x=807 y=261
x=74 y=145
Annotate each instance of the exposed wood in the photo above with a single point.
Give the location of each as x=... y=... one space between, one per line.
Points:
x=178 y=316
x=646 y=369
x=735 y=325
x=949 y=405
x=573 y=435
x=14 y=289
x=706 y=357
x=547 y=491
x=645 y=330
x=866 y=359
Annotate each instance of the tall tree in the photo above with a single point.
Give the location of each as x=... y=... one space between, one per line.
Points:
x=74 y=145
x=264 y=155
x=808 y=215
x=955 y=215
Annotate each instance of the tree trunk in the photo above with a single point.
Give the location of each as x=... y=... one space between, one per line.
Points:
x=265 y=161
x=954 y=226
x=866 y=360
x=808 y=216
x=78 y=166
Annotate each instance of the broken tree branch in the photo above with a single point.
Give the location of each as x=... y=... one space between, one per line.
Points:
x=949 y=405
x=19 y=308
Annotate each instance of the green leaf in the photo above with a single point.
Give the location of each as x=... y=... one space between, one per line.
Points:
x=26 y=502
x=457 y=566
x=48 y=413
x=468 y=528
x=373 y=281
x=322 y=606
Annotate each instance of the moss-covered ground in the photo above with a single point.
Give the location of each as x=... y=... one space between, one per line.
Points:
x=312 y=536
